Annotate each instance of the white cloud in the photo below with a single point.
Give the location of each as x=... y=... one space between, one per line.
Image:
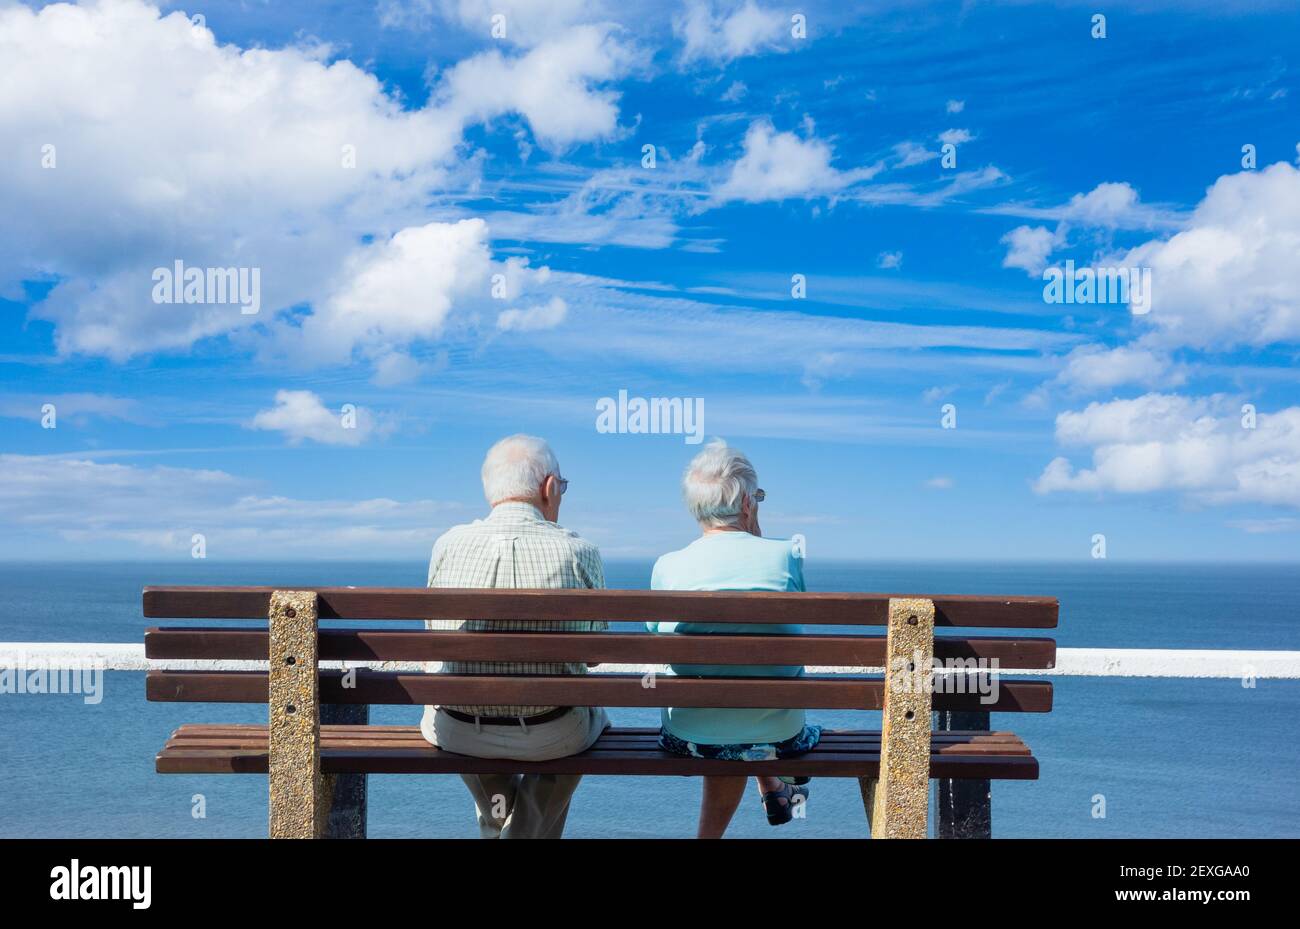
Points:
x=944 y=189
x=557 y=86
x=720 y=36
x=1230 y=277
x=1195 y=445
x=1227 y=279
x=544 y=316
x=780 y=165
x=151 y=121
x=394 y=292
x=632 y=207
x=912 y=153
x=955 y=106
x=1028 y=248
x=1094 y=367
x=1110 y=206
x=734 y=92
x=1107 y=207
x=940 y=483
x=637 y=208
x=955 y=136
x=301 y=415
x=108 y=510
x=889 y=260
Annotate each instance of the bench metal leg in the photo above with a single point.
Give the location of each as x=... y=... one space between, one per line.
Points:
x=900 y=802
x=347 y=816
x=299 y=801
x=965 y=806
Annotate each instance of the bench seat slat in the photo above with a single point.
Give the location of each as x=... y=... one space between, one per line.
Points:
x=623 y=647
x=245 y=731
x=359 y=742
x=377 y=730
x=610 y=743
x=396 y=688
x=834 y=609
x=354 y=750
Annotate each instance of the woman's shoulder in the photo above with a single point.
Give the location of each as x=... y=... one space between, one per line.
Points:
x=731 y=561
x=774 y=548
x=776 y=545
x=752 y=544
x=782 y=557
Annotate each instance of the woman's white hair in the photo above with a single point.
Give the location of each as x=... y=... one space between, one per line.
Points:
x=716 y=483
x=516 y=467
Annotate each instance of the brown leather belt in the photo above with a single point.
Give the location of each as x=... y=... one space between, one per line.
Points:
x=508 y=720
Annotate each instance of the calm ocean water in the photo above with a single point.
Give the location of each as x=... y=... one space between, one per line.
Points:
x=1170 y=757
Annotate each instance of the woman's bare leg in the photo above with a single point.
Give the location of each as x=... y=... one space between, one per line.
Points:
x=721 y=797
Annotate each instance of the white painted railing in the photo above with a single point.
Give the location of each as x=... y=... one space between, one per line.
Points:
x=1070 y=662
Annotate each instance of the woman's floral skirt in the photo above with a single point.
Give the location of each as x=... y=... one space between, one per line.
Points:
x=744 y=751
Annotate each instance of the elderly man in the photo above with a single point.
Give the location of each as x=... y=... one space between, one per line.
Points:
x=517 y=545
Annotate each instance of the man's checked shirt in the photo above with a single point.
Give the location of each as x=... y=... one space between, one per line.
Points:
x=515 y=546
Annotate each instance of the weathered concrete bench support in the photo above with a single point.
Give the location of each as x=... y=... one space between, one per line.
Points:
x=898 y=803
x=965 y=806
x=299 y=794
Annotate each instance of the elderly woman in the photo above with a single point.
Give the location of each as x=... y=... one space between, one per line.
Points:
x=722 y=493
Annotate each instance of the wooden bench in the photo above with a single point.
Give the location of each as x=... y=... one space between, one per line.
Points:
x=318 y=748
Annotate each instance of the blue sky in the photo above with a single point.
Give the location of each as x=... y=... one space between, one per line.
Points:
x=381 y=166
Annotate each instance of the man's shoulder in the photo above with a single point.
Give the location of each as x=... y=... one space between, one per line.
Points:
x=486 y=528
x=580 y=545
x=460 y=531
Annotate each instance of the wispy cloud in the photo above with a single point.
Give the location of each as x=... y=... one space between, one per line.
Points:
x=109 y=510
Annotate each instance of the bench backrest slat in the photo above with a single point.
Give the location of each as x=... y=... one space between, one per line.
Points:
x=379 y=687
x=379 y=603
x=591 y=647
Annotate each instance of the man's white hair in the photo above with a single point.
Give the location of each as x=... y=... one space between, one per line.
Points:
x=516 y=467
x=716 y=482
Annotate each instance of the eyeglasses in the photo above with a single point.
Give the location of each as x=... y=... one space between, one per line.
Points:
x=563 y=482
x=760 y=495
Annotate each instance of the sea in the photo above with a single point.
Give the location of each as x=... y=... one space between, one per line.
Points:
x=1120 y=757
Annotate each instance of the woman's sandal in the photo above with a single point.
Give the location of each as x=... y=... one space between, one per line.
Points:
x=778 y=813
